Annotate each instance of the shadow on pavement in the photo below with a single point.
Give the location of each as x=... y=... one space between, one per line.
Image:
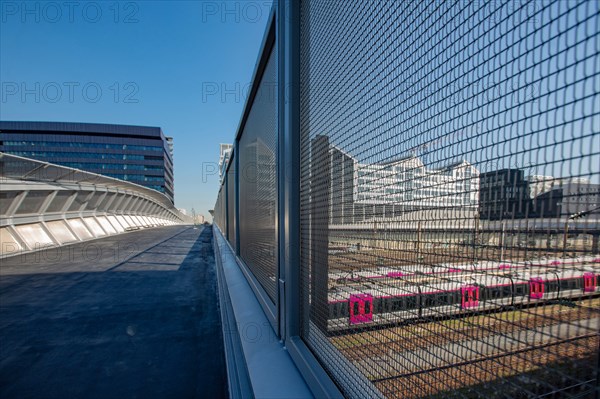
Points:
x=137 y=331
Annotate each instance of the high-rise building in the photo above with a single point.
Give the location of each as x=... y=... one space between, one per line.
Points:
x=504 y=194
x=138 y=154
x=225 y=153
x=343 y=192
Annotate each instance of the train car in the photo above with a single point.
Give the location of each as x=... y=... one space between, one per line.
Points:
x=387 y=304
x=581 y=282
x=591 y=282
x=538 y=284
x=405 y=271
x=395 y=305
x=497 y=291
x=439 y=298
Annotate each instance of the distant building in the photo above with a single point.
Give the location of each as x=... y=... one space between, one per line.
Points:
x=407 y=181
x=170 y=145
x=504 y=194
x=225 y=153
x=362 y=191
x=138 y=154
x=568 y=199
x=539 y=184
x=343 y=192
x=199 y=219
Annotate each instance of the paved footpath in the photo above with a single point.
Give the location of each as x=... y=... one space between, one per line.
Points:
x=129 y=316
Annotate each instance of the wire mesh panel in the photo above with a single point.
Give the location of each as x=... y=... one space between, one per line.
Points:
x=450 y=196
x=219 y=212
x=231 y=193
x=258 y=181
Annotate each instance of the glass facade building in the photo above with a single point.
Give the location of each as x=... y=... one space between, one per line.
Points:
x=138 y=154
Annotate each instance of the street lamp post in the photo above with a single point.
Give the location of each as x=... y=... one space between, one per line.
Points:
x=418 y=243
x=565 y=236
x=577 y=216
x=475 y=237
x=502 y=240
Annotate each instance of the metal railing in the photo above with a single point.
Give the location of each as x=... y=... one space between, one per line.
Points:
x=417 y=207
x=44 y=205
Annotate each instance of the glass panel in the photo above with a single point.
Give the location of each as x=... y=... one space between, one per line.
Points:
x=124 y=222
x=79 y=228
x=34 y=236
x=94 y=226
x=103 y=207
x=115 y=223
x=6 y=199
x=59 y=201
x=94 y=201
x=61 y=232
x=32 y=202
x=8 y=244
x=106 y=225
x=80 y=201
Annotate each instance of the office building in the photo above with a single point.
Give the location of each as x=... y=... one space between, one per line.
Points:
x=224 y=155
x=504 y=194
x=569 y=198
x=361 y=191
x=138 y=154
x=407 y=181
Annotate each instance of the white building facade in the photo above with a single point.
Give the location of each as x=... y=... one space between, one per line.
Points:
x=409 y=182
x=225 y=154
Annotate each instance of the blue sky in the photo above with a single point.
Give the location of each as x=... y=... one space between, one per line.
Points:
x=184 y=66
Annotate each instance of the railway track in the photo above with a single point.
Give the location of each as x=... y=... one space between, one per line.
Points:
x=491 y=357
x=558 y=362
x=364 y=260
x=419 y=333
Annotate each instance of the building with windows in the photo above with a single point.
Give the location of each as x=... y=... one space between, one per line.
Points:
x=539 y=184
x=407 y=181
x=225 y=154
x=343 y=188
x=362 y=191
x=508 y=194
x=505 y=194
x=137 y=154
x=569 y=198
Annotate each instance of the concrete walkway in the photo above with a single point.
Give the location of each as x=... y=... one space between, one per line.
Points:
x=131 y=316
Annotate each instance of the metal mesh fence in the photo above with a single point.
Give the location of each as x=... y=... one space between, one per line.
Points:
x=450 y=196
x=258 y=181
x=220 y=207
